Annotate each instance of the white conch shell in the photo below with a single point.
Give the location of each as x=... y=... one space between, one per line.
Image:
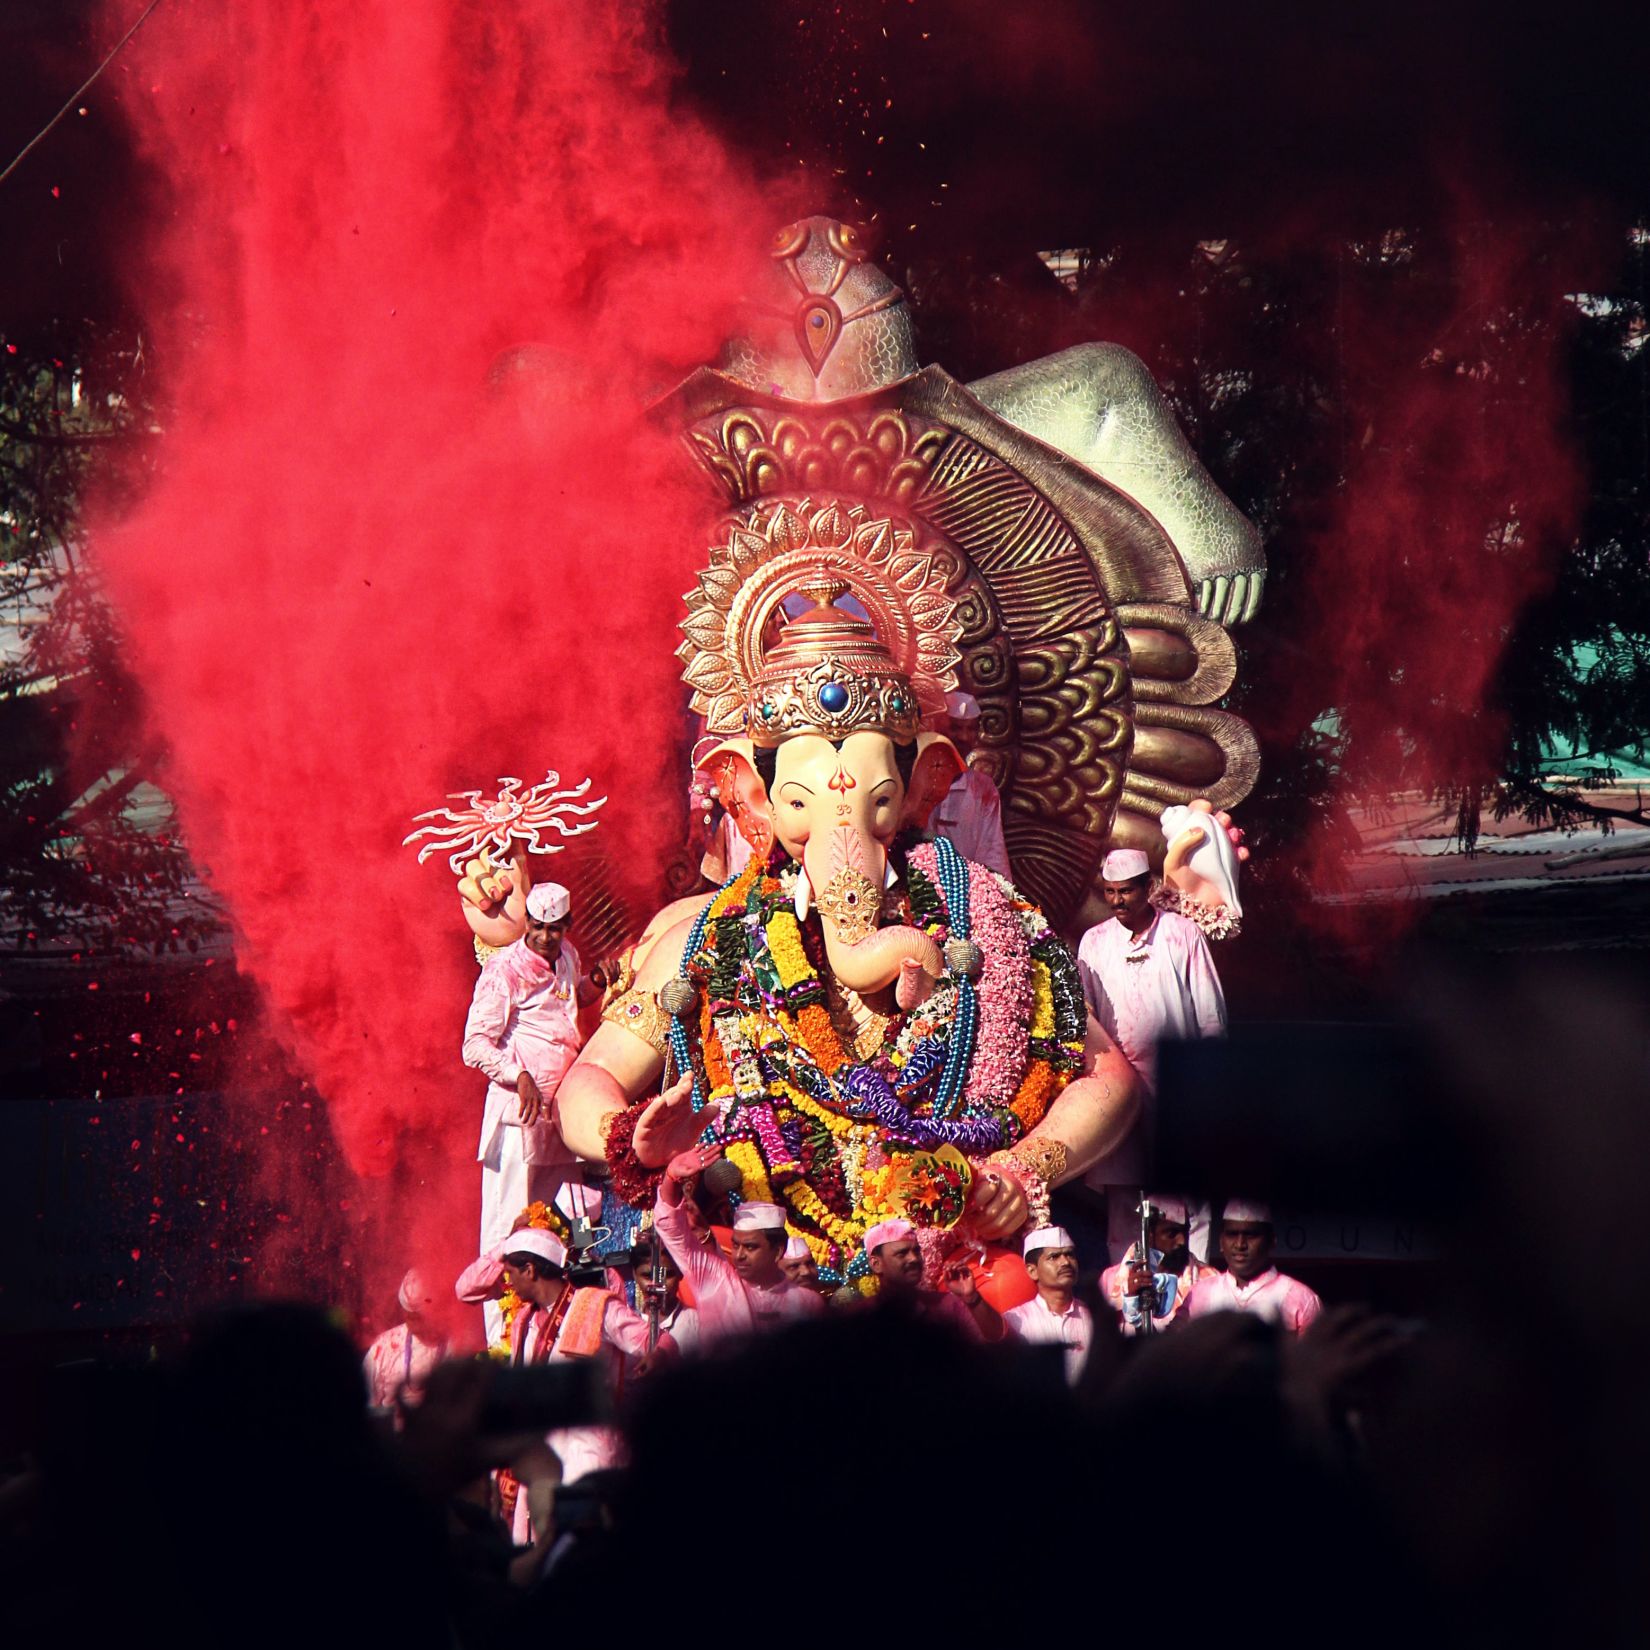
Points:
x=1215 y=858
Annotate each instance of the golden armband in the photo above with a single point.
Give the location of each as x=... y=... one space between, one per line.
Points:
x=638 y=1012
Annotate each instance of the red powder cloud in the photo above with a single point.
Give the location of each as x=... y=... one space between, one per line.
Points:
x=371 y=568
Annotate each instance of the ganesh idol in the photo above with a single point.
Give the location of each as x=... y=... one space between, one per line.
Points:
x=863 y=1020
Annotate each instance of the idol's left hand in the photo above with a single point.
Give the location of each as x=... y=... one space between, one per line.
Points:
x=997 y=1202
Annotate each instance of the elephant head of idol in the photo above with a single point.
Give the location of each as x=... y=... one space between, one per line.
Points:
x=820 y=638
x=835 y=769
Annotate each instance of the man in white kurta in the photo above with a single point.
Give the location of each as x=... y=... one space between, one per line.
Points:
x=1251 y=1283
x=1121 y=1285
x=557 y=1322
x=1053 y=1316
x=522 y=1032
x=1147 y=975
x=401 y=1360
x=732 y=1297
x=970 y=816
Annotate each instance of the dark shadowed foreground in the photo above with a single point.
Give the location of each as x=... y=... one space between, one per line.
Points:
x=1476 y=1477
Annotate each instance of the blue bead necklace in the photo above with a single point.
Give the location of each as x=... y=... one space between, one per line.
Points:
x=954 y=880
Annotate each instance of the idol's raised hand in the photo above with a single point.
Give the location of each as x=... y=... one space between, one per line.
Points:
x=495 y=896
x=669 y=1125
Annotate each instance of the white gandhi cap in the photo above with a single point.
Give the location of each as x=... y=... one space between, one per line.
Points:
x=1124 y=865
x=548 y=902
x=758 y=1217
x=534 y=1240
x=1046 y=1237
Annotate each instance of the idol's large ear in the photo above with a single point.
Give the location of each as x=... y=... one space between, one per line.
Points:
x=731 y=769
x=935 y=771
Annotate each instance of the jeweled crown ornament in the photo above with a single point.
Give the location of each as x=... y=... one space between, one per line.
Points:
x=883 y=663
x=829 y=674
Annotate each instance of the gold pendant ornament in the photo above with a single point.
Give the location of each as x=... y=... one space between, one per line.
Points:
x=852 y=902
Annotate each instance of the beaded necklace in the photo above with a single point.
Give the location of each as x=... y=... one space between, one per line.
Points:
x=828 y=1128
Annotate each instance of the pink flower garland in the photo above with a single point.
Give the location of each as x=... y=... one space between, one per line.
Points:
x=1002 y=1044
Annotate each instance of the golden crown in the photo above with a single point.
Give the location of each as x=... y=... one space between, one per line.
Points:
x=828 y=674
x=831 y=669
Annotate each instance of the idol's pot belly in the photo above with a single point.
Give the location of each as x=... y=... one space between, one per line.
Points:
x=875 y=961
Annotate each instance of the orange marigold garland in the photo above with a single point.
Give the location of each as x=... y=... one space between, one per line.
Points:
x=827 y=1132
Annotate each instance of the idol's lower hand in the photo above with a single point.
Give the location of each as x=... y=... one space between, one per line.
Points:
x=668 y=1126
x=997 y=1203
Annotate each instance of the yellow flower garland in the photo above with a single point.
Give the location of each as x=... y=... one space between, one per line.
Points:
x=837 y=1124
x=785 y=947
x=1042 y=1000
x=748 y=1160
x=806 y=1201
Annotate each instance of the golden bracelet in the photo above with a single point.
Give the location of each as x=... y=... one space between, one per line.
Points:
x=1046 y=1159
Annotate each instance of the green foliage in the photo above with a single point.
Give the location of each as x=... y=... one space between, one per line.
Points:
x=89 y=853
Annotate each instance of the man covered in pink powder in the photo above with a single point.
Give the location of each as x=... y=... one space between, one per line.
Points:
x=896 y=1261
x=748 y=1292
x=970 y=816
x=399 y=1362
x=522 y=1032
x=1147 y=975
x=1251 y=1283
x=1053 y=1316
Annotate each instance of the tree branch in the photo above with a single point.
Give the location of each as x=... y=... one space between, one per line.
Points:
x=82 y=438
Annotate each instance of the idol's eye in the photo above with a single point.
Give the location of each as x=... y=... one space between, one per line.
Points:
x=796 y=806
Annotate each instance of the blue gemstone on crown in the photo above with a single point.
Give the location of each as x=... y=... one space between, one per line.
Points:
x=833 y=696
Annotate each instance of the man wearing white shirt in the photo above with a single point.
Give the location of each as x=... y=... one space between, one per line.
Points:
x=1170 y=1270
x=679 y=1322
x=1147 y=975
x=1251 y=1283
x=1053 y=1316
x=970 y=816
x=733 y=1297
x=523 y=1033
x=557 y=1322
x=402 y=1359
